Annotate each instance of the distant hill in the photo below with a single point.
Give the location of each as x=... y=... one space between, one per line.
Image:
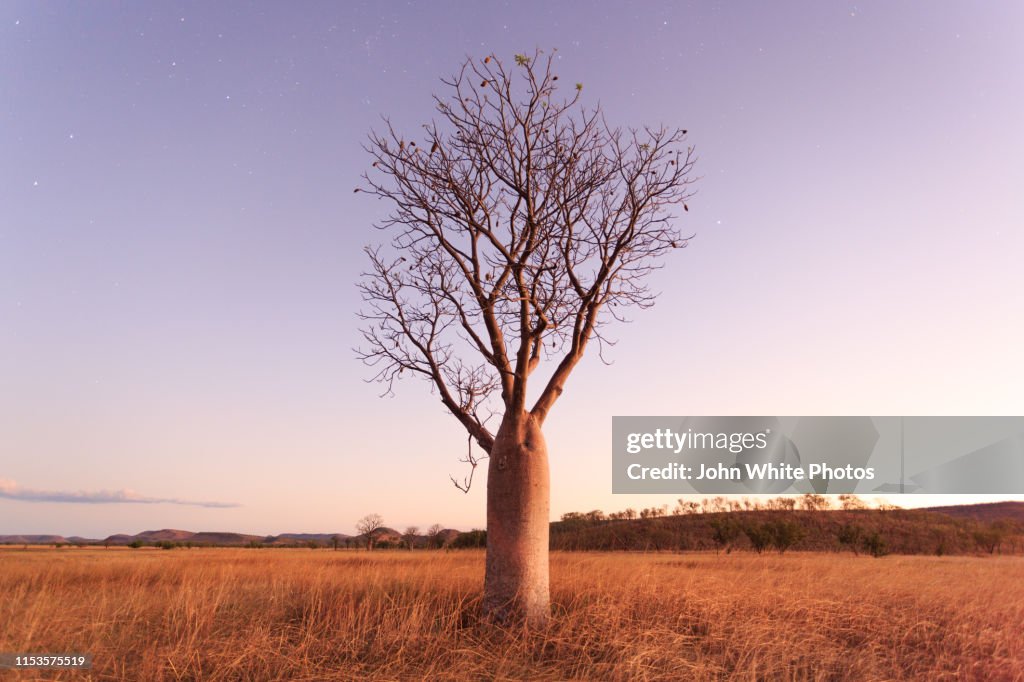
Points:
x=205 y=538
x=31 y=539
x=901 y=531
x=224 y=538
x=383 y=538
x=165 y=534
x=306 y=537
x=992 y=511
x=960 y=529
x=448 y=535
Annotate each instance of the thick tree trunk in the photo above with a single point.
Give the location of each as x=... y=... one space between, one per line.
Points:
x=518 y=503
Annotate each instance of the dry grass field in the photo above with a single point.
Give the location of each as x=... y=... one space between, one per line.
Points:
x=225 y=614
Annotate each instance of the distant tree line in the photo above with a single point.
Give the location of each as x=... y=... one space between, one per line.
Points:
x=807 y=523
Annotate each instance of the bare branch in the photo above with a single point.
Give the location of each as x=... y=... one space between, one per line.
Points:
x=467 y=481
x=521 y=224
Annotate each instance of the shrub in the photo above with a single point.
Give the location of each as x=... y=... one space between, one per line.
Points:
x=725 y=531
x=758 y=535
x=849 y=535
x=784 y=534
x=875 y=545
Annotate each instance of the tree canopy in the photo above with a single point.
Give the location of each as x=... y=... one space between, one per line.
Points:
x=521 y=223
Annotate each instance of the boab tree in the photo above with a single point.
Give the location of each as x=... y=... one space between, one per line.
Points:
x=521 y=223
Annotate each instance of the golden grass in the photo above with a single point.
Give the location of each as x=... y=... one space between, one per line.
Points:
x=220 y=614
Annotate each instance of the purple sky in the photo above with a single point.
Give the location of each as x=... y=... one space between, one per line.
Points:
x=179 y=242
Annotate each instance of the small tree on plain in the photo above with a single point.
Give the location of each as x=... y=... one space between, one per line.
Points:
x=989 y=537
x=434 y=538
x=850 y=536
x=874 y=544
x=759 y=536
x=784 y=533
x=521 y=225
x=410 y=535
x=725 y=532
x=368 y=525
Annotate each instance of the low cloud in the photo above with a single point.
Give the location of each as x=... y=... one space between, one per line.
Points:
x=10 y=490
